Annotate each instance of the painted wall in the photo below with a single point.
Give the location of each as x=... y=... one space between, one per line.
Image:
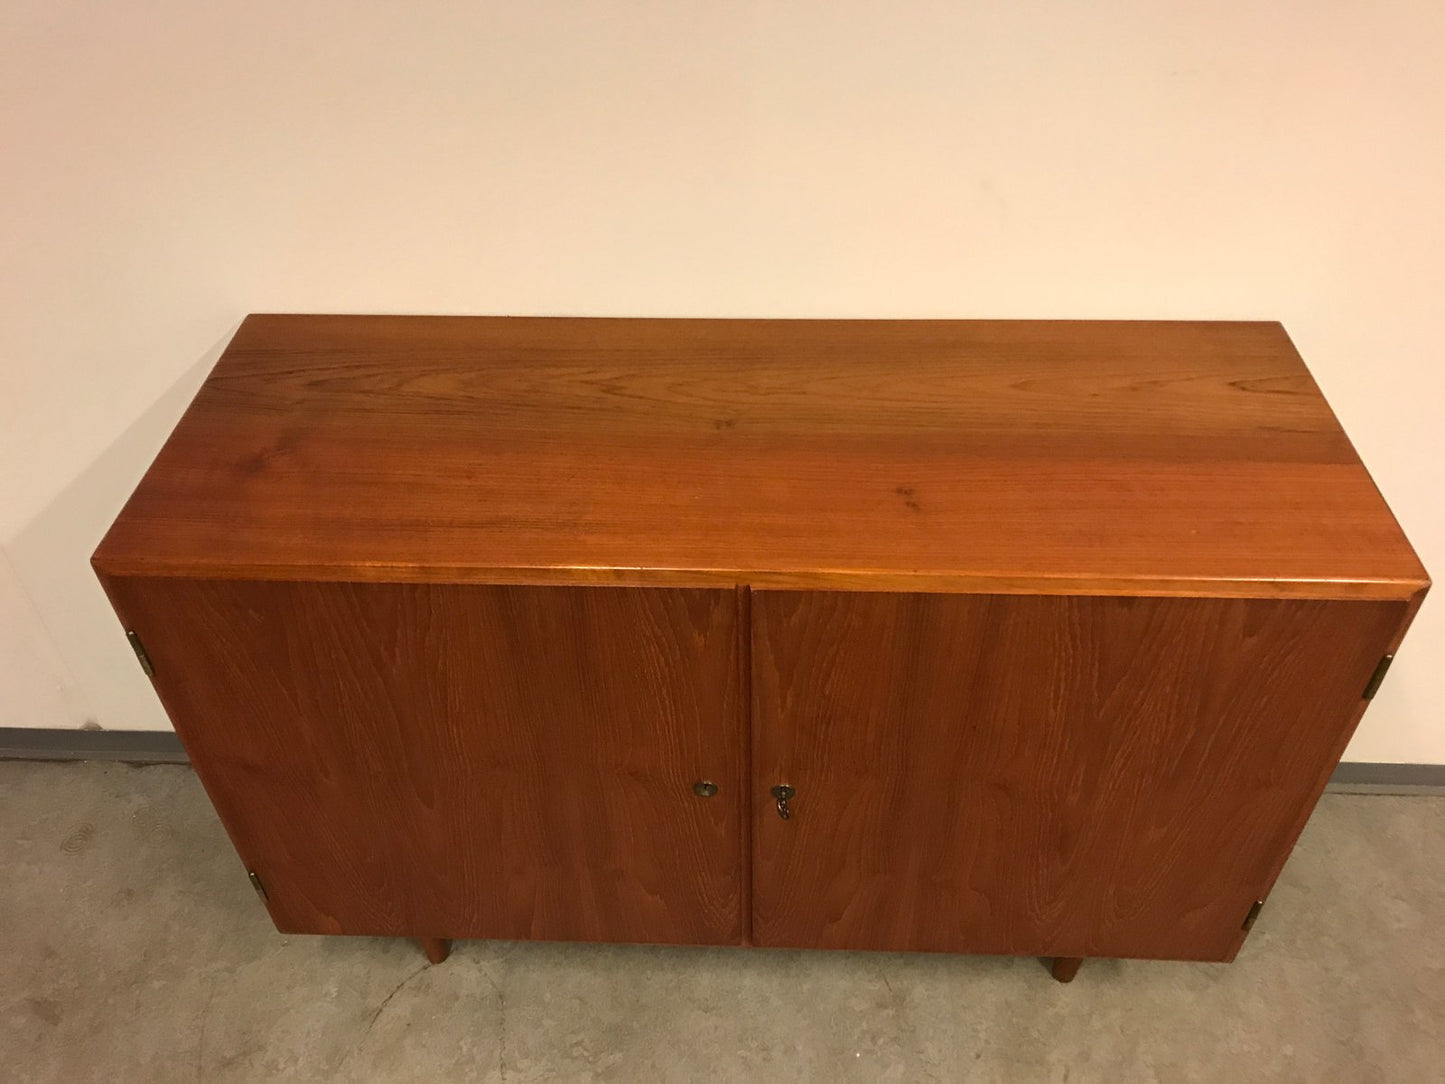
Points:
x=172 y=166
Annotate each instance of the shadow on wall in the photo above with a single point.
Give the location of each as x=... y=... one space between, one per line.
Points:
x=51 y=556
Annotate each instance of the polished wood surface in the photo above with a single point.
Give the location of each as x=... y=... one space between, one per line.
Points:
x=437 y=949
x=1068 y=457
x=1049 y=776
x=460 y=761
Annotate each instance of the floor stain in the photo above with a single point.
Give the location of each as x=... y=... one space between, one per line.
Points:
x=79 y=839
x=45 y=1009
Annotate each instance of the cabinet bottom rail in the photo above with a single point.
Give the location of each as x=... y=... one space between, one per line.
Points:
x=437 y=949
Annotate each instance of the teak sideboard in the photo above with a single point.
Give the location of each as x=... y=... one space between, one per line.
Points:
x=966 y=636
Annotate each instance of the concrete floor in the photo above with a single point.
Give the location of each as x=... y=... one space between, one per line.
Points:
x=132 y=948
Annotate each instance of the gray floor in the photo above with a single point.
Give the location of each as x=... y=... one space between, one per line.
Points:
x=132 y=948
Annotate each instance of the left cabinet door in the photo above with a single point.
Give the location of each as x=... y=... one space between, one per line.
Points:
x=464 y=761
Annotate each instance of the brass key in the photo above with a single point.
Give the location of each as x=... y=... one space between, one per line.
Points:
x=782 y=792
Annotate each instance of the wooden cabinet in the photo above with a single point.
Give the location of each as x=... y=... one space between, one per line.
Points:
x=1006 y=637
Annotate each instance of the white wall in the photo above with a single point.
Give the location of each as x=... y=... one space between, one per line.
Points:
x=172 y=166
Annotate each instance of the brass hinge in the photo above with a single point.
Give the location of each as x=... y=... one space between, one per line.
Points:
x=1373 y=685
x=256 y=884
x=140 y=652
x=1254 y=910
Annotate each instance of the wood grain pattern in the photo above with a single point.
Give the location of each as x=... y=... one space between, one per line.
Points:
x=1058 y=457
x=443 y=762
x=1045 y=776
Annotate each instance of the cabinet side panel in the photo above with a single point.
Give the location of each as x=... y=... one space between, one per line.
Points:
x=462 y=761
x=1059 y=776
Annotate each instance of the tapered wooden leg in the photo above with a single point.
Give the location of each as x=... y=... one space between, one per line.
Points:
x=1066 y=967
x=437 y=949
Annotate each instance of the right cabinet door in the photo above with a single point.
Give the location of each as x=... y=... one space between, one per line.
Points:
x=1070 y=776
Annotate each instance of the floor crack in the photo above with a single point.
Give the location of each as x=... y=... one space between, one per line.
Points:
x=205 y=1017
x=501 y=1025
x=380 y=1009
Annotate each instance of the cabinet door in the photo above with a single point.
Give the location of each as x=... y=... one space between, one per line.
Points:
x=1041 y=775
x=464 y=761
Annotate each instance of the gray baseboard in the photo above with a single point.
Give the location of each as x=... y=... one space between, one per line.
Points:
x=135 y=746
x=163 y=747
x=1355 y=777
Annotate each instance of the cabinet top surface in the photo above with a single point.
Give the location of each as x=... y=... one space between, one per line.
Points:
x=1090 y=457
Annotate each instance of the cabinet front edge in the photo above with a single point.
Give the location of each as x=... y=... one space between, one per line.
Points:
x=922 y=582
